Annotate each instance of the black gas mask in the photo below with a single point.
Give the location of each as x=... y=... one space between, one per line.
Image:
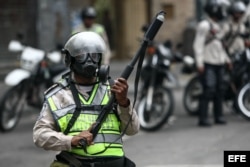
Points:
x=83 y=54
x=87 y=65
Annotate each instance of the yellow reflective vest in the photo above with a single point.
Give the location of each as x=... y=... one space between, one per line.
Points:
x=97 y=28
x=108 y=141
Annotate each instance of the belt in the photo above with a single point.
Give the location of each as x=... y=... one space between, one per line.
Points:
x=103 y=162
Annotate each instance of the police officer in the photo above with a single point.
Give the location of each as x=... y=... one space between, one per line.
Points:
x=235 y=29
x=210 y=59
x=246 y=17
x=55 y=130
x=88 y=17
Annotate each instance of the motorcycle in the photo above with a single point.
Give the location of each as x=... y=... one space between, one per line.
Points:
x=156 y=101
x=243 y=96
x=232 y=81
x=26 y=85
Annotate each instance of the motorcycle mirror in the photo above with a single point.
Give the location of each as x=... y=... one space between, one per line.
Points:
x=15 y=46
x=54 y=56
x=188 y=60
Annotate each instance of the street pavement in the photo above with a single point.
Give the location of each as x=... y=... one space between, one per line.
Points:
x=180 y=143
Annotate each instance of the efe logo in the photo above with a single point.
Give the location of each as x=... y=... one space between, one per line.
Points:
x=236 y=158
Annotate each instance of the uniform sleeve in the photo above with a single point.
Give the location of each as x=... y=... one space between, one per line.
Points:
x=199 y=42
x=45 y=134
x=125 y=113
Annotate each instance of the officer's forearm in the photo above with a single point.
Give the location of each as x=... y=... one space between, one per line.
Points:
x=128 y=115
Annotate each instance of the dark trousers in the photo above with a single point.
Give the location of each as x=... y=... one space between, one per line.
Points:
x=104 y=163
x=212 y=84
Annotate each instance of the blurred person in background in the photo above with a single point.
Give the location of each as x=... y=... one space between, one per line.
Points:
x=88 y=18
x=210 y=58
x=235 y=29
x=246 y=17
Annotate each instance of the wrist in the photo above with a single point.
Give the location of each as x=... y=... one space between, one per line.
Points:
x=74 y=142
x=124 y=103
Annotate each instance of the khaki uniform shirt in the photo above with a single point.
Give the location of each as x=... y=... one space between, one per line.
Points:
x=246 y=16
x=44 y=130
x=211 y=52
x=235 y=42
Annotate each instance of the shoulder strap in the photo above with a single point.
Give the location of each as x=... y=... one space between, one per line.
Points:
x=210 y=39
x=79 y=107
x=77 y=110
x=233 y=35
x=56 y=87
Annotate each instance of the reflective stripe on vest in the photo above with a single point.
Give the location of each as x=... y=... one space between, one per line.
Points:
x=107 y=141
x=97 y=28
x=111 y=151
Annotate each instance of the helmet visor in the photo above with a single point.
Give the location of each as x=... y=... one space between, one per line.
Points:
x=95 y=57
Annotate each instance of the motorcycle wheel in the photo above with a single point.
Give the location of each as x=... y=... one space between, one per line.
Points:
x=11 y=107
x=162 y=109
x=192 y=93
x=243 y=101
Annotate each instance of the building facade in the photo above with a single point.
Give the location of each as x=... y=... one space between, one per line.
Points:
x=47 y=24
x=129 y=16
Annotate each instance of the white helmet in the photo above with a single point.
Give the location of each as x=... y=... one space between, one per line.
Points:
x=238 y=7
x=85 y=42
x=82 y=50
